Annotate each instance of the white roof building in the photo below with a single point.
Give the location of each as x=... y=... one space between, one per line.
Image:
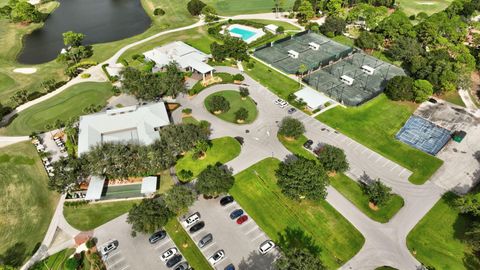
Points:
x=95 y=188
x=186 y=56
x=134 y=123
x=149 y=185
x=312 y=98
x=271 y=28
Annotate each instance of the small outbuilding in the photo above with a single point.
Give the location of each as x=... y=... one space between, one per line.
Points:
x=314 y=100
x=271 y=28
x=149 y=185
x=95 y=188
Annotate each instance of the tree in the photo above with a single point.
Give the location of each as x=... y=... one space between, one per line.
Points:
x=214 y=180
x=183 y=137
x=219 y=104
x=145 y=85
x=405 y=49
x=422 y=90
x=148 y=216
x=468 y=204
x=334 y=7
x=25 y=12
x=293 y=259
x=333 y=26
x=291 y=128
x=200 y=149
x=368 y=40
x=68 y=171
x=72 y=263
x=195 y=7
x=241 y=114
x=333 y=159
x=219 y=52
x=377 y=192
x=305 y=12
x=179 y=198
x=473 y=235
x=172 y=82
x=302 y=177
x=236 y=48
x=400 y=88
x=302 y=69
x=395 y=26
x=244 y=92
x=185 y=174
x=73 y=39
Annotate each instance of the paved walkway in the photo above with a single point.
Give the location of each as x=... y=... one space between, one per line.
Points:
x=385 y=243
x=5 y=140
x=467 y=99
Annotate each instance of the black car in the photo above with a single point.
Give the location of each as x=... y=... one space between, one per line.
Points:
x=207 y=239
x=432 y=100
x=229 y=267
x=174 y=260
x=308 y=144
x=236 y=213
x=197 y=227
x=291 y=110
x=157 y=236
x=182 y=266
x=226 y=200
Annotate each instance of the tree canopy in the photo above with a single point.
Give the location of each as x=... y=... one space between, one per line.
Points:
x=301 y=177
x=232 y=47
x=298 y=259
x=241 y=114
x=219 y=104
x=400 y=88
x=333 y=26
x=179 y=198
x=148 y=216
x=291 y=127
x=214 y=180
x=332 y=158
x=195 y=7
x=377 y=192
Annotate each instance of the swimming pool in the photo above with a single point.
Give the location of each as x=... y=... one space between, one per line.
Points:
x=243 y=33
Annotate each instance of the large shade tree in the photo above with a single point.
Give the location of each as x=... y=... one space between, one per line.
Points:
x=332 y=158
x=214 y=180
x=179 y=198
x=148 y=216
x=302 y=178
x=291 y=128
x=377 y=192
x=298 y=259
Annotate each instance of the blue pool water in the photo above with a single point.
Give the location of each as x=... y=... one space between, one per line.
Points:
x=246 y=34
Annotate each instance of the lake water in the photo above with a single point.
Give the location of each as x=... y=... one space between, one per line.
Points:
x=100 y=20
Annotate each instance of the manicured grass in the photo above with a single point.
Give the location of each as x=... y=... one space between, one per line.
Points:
x=236 y=102
x=438 y=238
x=255 y=189
x=344 y=40
x=55 y=261
x=189 y=120
x=89 y=216
x=296 y=146
x=229 y=7
x=375 y=124
x=276 y=82
x=353 y=192
x=166 y=182
x=453 y=97
x=222 y=150
x=5 y=82
x=287 y=26
x=68 y=104
x=27 y=204
x=428 y=6
x=187 y=247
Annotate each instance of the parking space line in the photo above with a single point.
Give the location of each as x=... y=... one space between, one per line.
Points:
x=396 y=165
x=378 y=159
x=161 y=245
x=258 y=236
x=403 y=170
x=371 y=154
x=385 y=164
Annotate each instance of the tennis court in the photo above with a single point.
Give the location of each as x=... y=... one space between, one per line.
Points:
x=424 y=135
x=122 y=191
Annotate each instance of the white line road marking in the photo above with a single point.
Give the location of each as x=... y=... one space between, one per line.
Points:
x=403 y=170
x=364 y=150
x=258 y=236
x=379 y=157
x=253 y=229
x=396 y=165
x=385 y=164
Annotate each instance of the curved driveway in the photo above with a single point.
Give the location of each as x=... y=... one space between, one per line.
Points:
x=385 y=243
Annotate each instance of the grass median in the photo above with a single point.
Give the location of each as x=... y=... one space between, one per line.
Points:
x=236 y=102
x=255 y=189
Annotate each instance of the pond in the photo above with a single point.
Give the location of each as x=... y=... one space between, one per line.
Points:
x=100 y=20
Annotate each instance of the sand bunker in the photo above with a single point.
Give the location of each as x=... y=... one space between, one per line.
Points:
x=25 y=70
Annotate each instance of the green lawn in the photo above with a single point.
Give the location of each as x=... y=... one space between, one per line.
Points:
x=438 y=238
x=27 y=203
x=416 y=6
x=222 y=150
x=5 y=82
x=276 y=82
x=453 y=97
x=287 y=26
x=187 y=247
x=353 y=192
x=89 y=216
x=236 y=102
x=232 y=7
x=374 y=124
x=344 y=40
x=70 y=103
x=296 y=146
x=55 y=261
x=189 y=120
x=166 y=182
x=256 y=191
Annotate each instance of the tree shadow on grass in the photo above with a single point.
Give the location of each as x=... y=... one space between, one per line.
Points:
x=296 y=238
x=14 y=255
x=471 y=261
x=257 y=261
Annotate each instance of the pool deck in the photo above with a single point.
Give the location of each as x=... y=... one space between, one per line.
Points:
x=257 y=32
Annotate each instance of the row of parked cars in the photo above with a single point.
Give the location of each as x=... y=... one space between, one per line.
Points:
x=171 y=256
x=282 y=104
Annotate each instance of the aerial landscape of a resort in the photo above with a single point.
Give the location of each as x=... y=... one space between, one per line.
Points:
x=239 y=134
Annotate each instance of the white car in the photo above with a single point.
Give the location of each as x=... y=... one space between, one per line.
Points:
x=168 y=254
x=192 y=219
x=108 y=247
x=216 y=257
x=266 y=246
x=280 y=102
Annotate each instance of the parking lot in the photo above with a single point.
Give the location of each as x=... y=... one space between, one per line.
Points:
x=240 y=242
x=134 y=253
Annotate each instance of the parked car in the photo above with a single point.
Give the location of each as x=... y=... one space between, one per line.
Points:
x=157 y=236
x=242 y=219
x=229 y=267
x=207 y=239
x=197 y=227
x=192 y=219
x=174 y=260
x=432 y=100
x=216 y=257
x=226 y=200
x=108 y=247
x=236 y=213
x=168 y=253
x=266 y=246
x=182 y=266
x=308 y=144
x=291 y=110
